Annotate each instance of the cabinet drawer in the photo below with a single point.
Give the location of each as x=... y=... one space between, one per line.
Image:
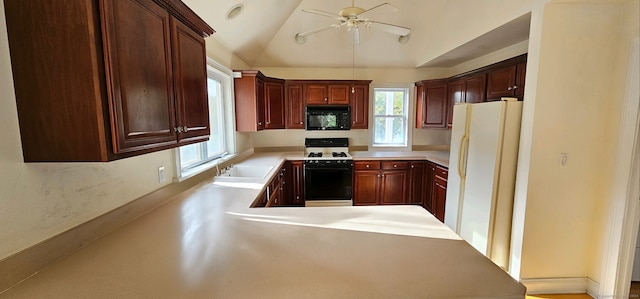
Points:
x=442 y=172
x=395 y=165
x=360 y=165
x=440 y=181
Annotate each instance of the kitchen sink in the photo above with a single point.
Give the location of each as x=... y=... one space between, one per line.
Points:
x=247 y=171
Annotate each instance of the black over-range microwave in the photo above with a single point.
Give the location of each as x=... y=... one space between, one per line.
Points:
x=328 y=118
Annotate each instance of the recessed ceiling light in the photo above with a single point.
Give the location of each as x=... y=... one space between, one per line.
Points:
x=300 y=39
x=234 y=11
x=403 y=39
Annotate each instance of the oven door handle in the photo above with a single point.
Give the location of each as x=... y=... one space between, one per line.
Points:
x=328 y=168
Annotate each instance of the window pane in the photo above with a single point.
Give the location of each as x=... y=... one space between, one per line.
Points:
x=389 y=102
x=189 y=155
x=215 y=145
x=389 y=130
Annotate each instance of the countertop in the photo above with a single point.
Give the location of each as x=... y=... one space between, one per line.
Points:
x=207 y=243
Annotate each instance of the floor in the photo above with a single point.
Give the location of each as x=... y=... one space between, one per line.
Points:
x=634 y=293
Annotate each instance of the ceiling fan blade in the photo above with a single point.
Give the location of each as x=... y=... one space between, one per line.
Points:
x=356 y=35
x=395 y=9
x=393 y=29
x=312 y=31
x=323 y=13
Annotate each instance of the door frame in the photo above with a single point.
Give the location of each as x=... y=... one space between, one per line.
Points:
x=624 y=212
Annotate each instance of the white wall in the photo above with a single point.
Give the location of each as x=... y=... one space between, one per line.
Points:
x=575 y=110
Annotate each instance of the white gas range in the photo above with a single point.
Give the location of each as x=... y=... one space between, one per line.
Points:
x=328 y=172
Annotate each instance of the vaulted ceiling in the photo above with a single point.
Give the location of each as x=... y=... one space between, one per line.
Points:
x=262 y=35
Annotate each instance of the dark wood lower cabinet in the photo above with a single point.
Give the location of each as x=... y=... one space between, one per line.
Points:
x=380 y=183
x=437 y=182
x=417 y=182
x=294 y=184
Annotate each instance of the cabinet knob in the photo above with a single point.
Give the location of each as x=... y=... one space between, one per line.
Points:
x=179 y=129
x=260 y=124
x=175 y=129
x=395 y=165
x=297 y=196
x=325 y=99
x=515 y=87
x=412 y=166
x=185 y=129
x=301 y=123
x=367 y=166
x=268 y=122
x=509 y=88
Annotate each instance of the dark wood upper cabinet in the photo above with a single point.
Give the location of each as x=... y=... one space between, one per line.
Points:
x=274 y=104
x=432 y=103
x=326 y=93
x=506 y=82
x=360 y=106
x=294 y=105
x=456 y=95
x=190 y=73
x=475 y=87
x=105 y=80
x=249 y=101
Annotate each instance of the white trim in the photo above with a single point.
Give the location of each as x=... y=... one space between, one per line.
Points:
x=592 y=288
x=565 y=285
x=624 y=214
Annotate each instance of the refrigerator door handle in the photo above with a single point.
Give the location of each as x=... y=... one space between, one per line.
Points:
x=462 y=157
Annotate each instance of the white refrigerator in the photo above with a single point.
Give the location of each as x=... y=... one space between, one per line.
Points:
x=482 y=170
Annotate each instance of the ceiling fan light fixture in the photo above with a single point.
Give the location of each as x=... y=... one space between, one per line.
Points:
x=300 y=39
x=234 y=11
x=403 y=39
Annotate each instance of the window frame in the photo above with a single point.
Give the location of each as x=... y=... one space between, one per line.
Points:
x=225 y=76
x=407 y=111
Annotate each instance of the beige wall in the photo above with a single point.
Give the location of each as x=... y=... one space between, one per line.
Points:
x=578 y=82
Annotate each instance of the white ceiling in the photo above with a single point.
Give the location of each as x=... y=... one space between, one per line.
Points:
x=263 y=34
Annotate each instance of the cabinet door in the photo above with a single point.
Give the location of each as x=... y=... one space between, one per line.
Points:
x=316 y=94
x=439 y=197
x=475 y=88
x=500 y=83
x=338 y=94
x=365 y=187
x=295 y=106
x=190 y=76
x=360 y=107
x=259 y=102
x=417 y=182
x=139 y=74
x=274 y=105
x=297 y=183
x=434 y=109
x=456 y=95
x=521 y=74
x=427 y=202
x=393 y=187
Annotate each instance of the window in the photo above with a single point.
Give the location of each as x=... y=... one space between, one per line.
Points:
x=198 y=157
x=390 y=112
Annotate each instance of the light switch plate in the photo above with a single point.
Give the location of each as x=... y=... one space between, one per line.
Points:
x=161 y=175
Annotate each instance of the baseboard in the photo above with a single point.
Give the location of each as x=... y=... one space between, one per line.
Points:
x=593 y=288
x=29 y=261
x=563 y=285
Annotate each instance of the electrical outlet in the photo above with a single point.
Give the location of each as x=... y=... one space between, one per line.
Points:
x=161 y=175
x=564 y=159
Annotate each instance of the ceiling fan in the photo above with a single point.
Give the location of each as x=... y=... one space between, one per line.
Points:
x=351 y=18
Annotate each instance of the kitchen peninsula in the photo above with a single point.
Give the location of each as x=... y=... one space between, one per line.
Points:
x=207 y=242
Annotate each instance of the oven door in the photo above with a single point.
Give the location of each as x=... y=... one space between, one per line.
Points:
x=328 y=183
